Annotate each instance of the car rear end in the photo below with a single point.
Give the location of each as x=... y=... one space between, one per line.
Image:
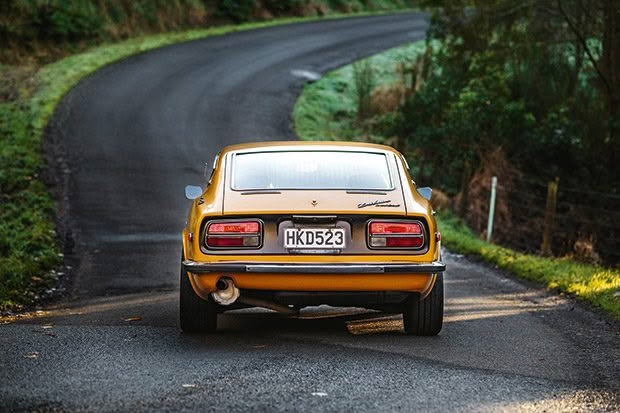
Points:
x=309 y=225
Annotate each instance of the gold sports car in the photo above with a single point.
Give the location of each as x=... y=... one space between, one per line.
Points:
x=284 y=225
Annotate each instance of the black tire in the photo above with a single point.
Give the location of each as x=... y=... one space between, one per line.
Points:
x=196 y=315
x=425 y=317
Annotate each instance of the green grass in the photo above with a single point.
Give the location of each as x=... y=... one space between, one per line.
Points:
x=326 y=111
x=28 y=247
x=30 y=251
x=326 y=108
x=591 y=283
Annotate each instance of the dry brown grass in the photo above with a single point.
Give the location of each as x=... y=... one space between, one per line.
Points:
x=197 y=16
x=262 y=14
x=17 y=82
x=387 y=98
x=313 y=9
x=493 y=163
x=584 y=250
x=520 y=209
x=441 y=201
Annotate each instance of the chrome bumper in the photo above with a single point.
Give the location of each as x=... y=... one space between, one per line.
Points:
x=422 y=268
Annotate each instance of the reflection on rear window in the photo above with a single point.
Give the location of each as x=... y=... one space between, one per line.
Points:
x=311 y=170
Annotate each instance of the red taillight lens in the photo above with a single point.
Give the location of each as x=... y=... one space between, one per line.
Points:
x=404 y=242
x=225 y=242
x=234 y=227
x=395 y=228
x=241 y=234
x=390 y=234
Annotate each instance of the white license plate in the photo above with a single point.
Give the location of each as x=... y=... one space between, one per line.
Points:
x=314 y=238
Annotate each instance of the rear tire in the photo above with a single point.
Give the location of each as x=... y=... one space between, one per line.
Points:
x=196 y=315
x=425 y=317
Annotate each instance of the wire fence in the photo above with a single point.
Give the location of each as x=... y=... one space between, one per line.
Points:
x=580 y=222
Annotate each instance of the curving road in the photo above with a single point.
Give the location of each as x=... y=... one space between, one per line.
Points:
x=133 y=134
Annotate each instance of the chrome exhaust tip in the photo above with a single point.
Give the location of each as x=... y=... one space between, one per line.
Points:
x=227 y=293
x=221 y=284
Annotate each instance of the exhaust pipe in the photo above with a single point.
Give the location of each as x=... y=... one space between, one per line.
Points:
x=222 y=284
x=227 y=293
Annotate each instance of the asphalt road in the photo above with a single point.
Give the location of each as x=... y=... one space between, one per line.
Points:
x=128 y=139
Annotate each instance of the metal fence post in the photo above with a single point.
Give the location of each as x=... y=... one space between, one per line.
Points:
x=552 y=195
x=491 y=208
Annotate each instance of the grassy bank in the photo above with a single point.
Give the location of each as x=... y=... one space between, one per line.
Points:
x=30 y=251
x=44 y=30
x=327 y=109
x=591 y=283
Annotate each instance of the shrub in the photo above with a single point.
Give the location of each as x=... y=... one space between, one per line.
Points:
x=237 y=10
x=346 y=6
x=68 y=19
x=283 y=7
x=363 y=77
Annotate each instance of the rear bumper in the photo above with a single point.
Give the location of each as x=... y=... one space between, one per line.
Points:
x=410 y=277
x=277 y=268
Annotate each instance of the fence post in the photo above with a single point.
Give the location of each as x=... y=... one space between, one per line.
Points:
x=552 y=196
x=491 y=208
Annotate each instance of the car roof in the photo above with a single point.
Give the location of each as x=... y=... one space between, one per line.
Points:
x=306 y=146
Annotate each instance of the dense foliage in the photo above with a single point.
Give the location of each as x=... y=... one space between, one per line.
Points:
x=510 y=90
x=530 y=92
x=541 y=79
x=237 y=10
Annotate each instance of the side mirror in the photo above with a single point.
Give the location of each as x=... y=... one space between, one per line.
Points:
x=426 y=192
x=192 y=192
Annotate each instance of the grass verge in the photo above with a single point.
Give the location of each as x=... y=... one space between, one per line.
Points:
x=591 y=283
x=30 y=252
x=327 y=110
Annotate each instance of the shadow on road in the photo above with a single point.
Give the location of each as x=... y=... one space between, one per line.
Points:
x=480 y=331
x=500 y=352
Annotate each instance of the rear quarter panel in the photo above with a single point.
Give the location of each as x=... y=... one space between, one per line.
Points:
x=418 y=206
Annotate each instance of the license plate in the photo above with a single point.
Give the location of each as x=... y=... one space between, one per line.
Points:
x=314 y=238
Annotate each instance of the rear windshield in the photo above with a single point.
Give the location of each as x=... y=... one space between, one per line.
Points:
x=311 y=170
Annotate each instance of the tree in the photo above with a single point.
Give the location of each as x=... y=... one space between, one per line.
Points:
x=561 y=62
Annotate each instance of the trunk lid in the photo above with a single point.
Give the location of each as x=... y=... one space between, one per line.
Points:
x=296 y=202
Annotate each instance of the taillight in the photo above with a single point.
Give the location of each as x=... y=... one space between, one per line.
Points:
x=233 y=234
x=396 y=234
